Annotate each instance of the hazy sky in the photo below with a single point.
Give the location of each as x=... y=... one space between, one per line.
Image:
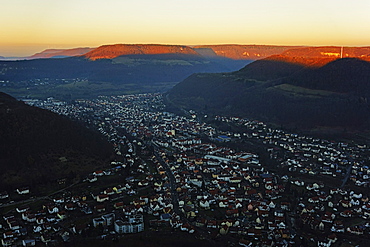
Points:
x=32 y=26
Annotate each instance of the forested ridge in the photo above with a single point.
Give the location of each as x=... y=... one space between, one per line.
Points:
x=335 y=95
x=38 y=146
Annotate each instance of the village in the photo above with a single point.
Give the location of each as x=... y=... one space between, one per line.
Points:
x=181 y=174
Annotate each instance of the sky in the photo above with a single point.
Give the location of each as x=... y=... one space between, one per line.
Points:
x=28 y=26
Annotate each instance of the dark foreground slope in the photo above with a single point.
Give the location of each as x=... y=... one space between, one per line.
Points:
x=285 y=93
x=38 y=146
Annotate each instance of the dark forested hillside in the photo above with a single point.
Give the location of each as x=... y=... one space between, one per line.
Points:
x=347 y=75
x=293 y=95
x=38 y=146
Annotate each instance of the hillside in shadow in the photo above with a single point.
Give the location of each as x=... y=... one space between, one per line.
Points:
x=38 y=146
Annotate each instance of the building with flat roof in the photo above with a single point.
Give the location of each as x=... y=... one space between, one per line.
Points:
x=130 y=224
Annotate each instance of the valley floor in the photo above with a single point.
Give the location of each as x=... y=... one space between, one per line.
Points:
x=177 y=180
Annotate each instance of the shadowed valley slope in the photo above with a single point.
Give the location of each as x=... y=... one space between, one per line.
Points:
x=38 y=146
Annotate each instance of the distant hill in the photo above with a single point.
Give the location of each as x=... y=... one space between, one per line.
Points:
x=328 y=51
x=113 y=51
x=143 y=68
x=60 y=53
x=319 y=56
x=38 y=146
x=120 y=70
x=51 y=53
x=242 y=52
x=299 y=95
x=108 y=70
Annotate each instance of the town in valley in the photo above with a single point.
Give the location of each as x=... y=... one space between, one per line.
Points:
x=220 y=180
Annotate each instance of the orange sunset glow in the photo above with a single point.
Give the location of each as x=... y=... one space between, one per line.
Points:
x=29 y=27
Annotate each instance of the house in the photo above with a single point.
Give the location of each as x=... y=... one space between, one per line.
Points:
x=254 y=232
x=200 y=222
x=204 y=204
x=263 y=213
x=345 y=203
x=29 y=242
x=346 y=213
x=65 y=235
x=232 y=212
x=328 y=217
x=238 y=204
x=100 y=208
x=31 y=218
x=22 y=209
x=224 y=230
x=92 y=178
x=59 y=200
x=87 y=210
x=51 y=219
x=40 y=220
x=337 y=226
x=187 y=228
x=14 y=225
x=130 y=224
x=223 y=204
x=70 y=207
x=23 y=191
x=355 y=230
x=62 y=215
x=165 y=217
x=98 y=222
x=75 y=199
x=98 y=173
x=4 y=195
x=175 y=223
x=285 y=206
x=272 y=205
x=7 y=241
x=236 y=180
x=245 y=243
x=45 y=238
x=109 y=191
x=212 y=224
x=118 y=205
x=332 y=238
x=167 y=209
x=10 y=234
x=47 y=226
x=324 y=243
x=109 y=219
x=128 y=209
x=102 y=198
